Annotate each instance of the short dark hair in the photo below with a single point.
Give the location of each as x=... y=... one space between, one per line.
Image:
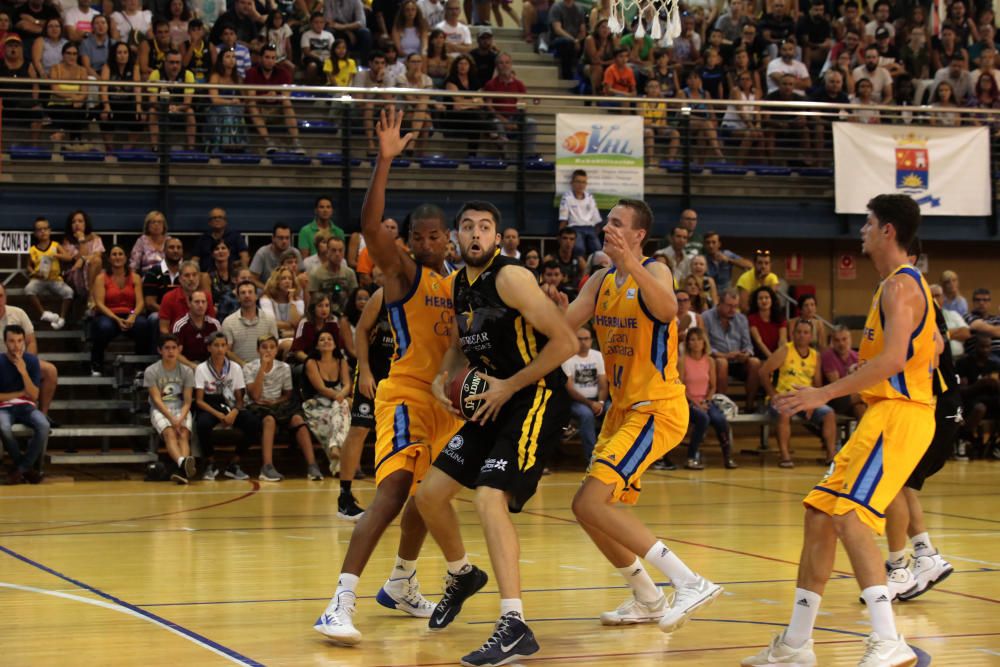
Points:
x=980 y=291
x=196 y=23
x=915 y=248
x=567 y=231
x=13 y=329
x=322 y=198
x=279 y=225
x=158 y=22
x=314 y=15
x=170 y=52
x=807 y=297
x=246 y=282
x=376 y=54
x=708 y=235
x=901 y=212
x=871 y=48
x=551 y=264
x=620 y=50
x=167 y=338
x=268 y=47
x=643 y=214
x=426 y=212
x=578 y=172
x=673 y=232
x=478 y=205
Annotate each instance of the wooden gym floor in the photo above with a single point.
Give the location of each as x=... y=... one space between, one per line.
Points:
x=130 y=573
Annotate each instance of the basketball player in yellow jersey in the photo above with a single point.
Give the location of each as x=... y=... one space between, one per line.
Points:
x=411 y=427
x=634 y=309
x=895 y=378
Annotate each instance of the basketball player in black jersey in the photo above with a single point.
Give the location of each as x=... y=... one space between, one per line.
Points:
x=517 y=338
x=905 y=515
x=374 y=346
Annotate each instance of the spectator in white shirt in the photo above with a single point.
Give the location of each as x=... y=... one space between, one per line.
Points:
x=882 y=8
x=879 y=76
x=680 y=261
x=433 y=11
x=956 y=73
x=458 y=38
x=587 y=385
x=509 y=243
x=578 y=210
x=787 y=64
x=317 y=42
x=78 y=20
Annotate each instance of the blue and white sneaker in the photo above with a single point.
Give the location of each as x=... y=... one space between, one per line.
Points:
x=337 y=622
x=403 y=593
x=512 y=640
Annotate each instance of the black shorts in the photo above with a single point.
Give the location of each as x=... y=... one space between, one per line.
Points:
x=510 y=453
x=362 y=409
x=947 y=419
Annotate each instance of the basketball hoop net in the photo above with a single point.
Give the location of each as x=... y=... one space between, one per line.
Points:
x=666 y=18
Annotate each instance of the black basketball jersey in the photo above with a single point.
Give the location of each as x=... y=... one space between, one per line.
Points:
x=381 y=346
x=495 y=337
x=946 y=378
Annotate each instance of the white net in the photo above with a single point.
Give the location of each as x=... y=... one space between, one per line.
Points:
x=665 y=24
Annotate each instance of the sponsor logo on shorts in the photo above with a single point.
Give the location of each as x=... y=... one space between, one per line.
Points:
x=494 y=464
x=452 y=448
x=456 y=442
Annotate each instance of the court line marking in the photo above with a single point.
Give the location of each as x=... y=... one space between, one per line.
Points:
x=118 y=604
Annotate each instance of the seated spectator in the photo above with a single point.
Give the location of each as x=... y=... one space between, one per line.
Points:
x=432 y=11
x=279 y=33
x=229 y=41
x=700 y=300
x=219 y=390
x=174 y=110
x=759 y=276
x=578 y=211
x=346 y=19
x=21 y=107
x=268 y=257
x=67 y=103
x=269 y=107
x=532 y=262
x=509 y=242
x=698 y=373
x=121 y=106
x=598 y=54
x=957 y=75
x=880 y=78
x=220 y=279
x=364 y=268
x=880 y=21
x=20 y=378
x=242 y=18
x=410 y=30
x=438 y=62
x=943 y=99
x=687 y=46
x=980 y=321
x=797 y=365
x=663 y=71
x=554 y=278
x=334 y=277
x=958 y=328
x=466 y=118
x=655 y=125
x=131 y=24
x=888 y=54
x=218 y=230
x=979 y=378
x=340 y=69
x=845 y=55
x=175 y=301
x=953 y=299
x=535 y=23
x=96 y=47
x=281 y=302
x=914 y=56
x=269 y=387
x=680 y=262
x=326 y=389
x=119 y=305
x=703 y=123
x=244 y=327
x=776 y=27
x=171 y=386
x=317 y=42
x=786 y=135
x=161 y=278
x=755 y=47
x=319 y=257
x=322 y=220
x=199 y=54
x=178 y=16
x=484 y=56
x=587 y=385
x=808 y=311
x=987 y=66
x=721 y=262
x=418 y=118
x=153 y=52
x=838 y=361
x=571 y=263
x=78 y=20
x=947 y=49
x=194 y=329
x=815 y=34
x=45 y=275
x=699 y=272
x=731 y=347
x=742 y=122
x=831 y=92
x=226 y=122
x=567 y=32
x=458 y=38
x=731 y=22
x=687 y=318
x=349 y=318
x=787 y=65
x=86 y=251
x=619 y=80
x=318 y=319
x=376 y=76
x=505 y=109
x=50 y=377
x=768 y=327
x=47 y=48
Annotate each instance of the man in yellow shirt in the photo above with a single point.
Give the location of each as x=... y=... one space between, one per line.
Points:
x=759 y=276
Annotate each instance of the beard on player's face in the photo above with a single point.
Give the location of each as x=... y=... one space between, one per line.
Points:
x=483 y=252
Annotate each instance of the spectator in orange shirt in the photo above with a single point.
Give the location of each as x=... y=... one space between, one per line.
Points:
x=365 y=263
x=619 y=81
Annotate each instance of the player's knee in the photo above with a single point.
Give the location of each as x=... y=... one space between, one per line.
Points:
x=488 y=499
x=843 y=523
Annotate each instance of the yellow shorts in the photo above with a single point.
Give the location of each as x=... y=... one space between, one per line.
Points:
x=875 y=463
x=411 y=429
x=632 y=439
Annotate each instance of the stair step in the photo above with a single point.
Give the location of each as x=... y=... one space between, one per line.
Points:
x=85 y=404
x=86 y=381
x=111 y=431
x=97 y=458
x=64 y=333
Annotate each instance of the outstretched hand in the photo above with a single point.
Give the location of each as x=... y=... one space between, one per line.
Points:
x=800 y=399
x=388 y=128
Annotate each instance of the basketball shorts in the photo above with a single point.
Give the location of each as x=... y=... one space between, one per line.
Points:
x=510 y=453
x=634 y=438
x=872 y=467
x=362 y=408
x=947 y=421
x=411 y=428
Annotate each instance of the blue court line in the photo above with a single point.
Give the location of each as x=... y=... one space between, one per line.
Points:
x=148 y=614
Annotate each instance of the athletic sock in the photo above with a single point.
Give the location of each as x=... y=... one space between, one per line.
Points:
x=180 y=462
x=346 y=583
x=667 y=562
x=512 y=605
x=897 y=559
x=880 y=611
x=404 y=568
x=922 y=545
x=642 y=585
x=345 y=486
x=805 y=607
x=460 y=566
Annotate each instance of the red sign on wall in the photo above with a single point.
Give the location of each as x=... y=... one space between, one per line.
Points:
x=847 y=268
x=794 y=267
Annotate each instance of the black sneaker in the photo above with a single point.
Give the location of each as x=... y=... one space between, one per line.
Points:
x=179 y=476
x=348 y=508
x=458 y=589
x=512 y=640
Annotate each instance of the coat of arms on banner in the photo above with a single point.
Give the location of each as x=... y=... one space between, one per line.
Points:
x=913 y=163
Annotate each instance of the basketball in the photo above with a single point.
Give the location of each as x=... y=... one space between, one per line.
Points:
x=465 y=384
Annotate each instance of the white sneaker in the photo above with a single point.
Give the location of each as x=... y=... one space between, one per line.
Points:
x=780 y=654
x=887 y=652
x=403 y=593
x=699 y=593
x=58 y=324
x=337 y=622
x=49 y=316
x=633 y=611
x=928 y=571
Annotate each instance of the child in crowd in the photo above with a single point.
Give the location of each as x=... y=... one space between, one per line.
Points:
x=697 y=370
x=171 y=385
x=655 y=128
x=340 y=69
x=45 y=274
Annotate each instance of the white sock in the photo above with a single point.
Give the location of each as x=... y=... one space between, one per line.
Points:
x=347 y=583
x=805 y=607
x=512 y=605
x=922 y=545
x=638 y=579
x=897 y=558
x=880 y=611
x=180 y=461
x=404 y=568
x=459 y=566
x=667 y=562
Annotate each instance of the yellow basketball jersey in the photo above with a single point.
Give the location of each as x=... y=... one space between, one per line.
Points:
x=916 y=381
x=421 y=327
x=639 y=351
x=796 y=371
